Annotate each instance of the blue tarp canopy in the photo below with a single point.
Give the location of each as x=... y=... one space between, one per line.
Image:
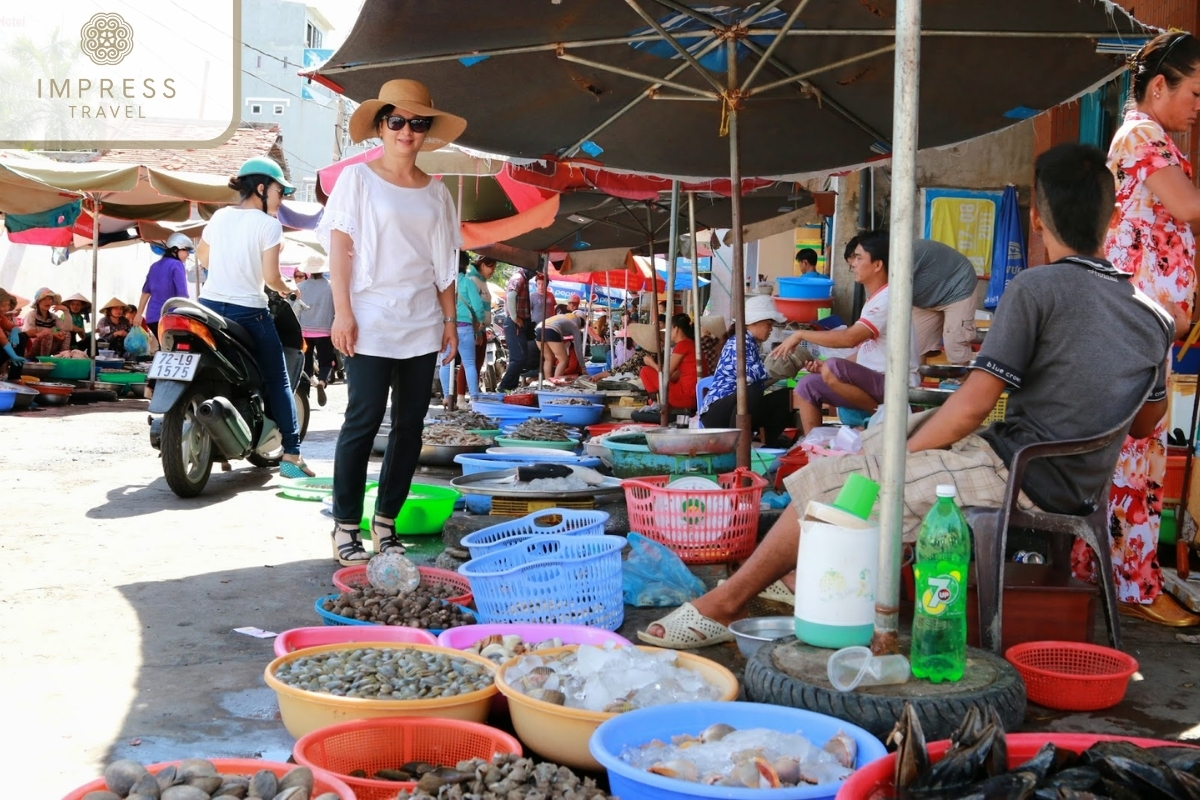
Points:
x=683 y=278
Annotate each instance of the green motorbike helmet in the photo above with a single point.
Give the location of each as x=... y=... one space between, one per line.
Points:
x=261 y=165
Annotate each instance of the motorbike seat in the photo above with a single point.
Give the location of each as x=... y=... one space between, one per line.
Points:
x=189 y=308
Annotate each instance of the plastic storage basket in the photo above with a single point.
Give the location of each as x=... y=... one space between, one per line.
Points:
x=374 y=744
x=700 y=526
x=329 y=618
x=1072 y=676
x=549 y=522
x=574 y=580
x=348 y=579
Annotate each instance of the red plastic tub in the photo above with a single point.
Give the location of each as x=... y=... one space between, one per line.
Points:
x=348 y=579
x=1021 y=747
x=323 y=781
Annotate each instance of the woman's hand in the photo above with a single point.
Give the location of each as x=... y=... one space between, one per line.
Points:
x=787 y=346
x=449 y=341
x=344 y=333
x=136 y=322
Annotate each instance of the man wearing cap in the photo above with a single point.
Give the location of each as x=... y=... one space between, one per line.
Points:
x=855 y=382
x=518 y=325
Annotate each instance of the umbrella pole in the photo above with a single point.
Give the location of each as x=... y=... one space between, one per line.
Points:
x=545 y=267
x=672 y=254
x=738 y=293
x=95 y=272
x=654 y=289
x=695 y=286
x=895 y=395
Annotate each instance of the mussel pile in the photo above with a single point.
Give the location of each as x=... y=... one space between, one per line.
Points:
x=536 y=429
x=976 y=767
x=394 y=673
x=198 y=779
x=507 y=776
x=424 y=607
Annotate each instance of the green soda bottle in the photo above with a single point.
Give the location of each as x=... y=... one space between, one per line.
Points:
x=939 y=638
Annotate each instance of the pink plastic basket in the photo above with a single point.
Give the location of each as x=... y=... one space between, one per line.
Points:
x=464 y=636
x=300 y=638
x=701 y=527
x=347 y=579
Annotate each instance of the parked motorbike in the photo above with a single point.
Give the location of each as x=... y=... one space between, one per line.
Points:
x=495 y=359
x=209 y=390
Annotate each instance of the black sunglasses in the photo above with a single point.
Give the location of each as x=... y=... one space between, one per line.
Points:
x=418 y=124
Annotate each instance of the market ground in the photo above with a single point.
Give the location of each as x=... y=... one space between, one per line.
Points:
x=119 y=600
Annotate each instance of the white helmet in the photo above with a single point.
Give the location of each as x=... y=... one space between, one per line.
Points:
x=179 y=241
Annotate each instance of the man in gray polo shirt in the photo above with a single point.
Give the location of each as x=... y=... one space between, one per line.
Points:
x=943 y=297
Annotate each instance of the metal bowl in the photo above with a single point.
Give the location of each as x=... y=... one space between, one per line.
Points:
x=928 y=397
x=47 y=399
x=25 y=395
x=753 y=632
x=692 y=441
x=442 y=455
x=37 y=369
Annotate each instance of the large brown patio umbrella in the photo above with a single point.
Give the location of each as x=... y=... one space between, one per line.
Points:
x=767 y=89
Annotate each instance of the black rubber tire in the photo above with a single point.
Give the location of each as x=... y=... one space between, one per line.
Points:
x=175 y=469
x=940 y=715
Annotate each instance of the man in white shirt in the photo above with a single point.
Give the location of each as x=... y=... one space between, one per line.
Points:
x=855 y=382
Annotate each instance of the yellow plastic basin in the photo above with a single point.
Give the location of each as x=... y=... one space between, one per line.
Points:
x=561 y=734
x=303 y=711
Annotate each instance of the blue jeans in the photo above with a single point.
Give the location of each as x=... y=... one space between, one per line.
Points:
x=281 y=406
x=369 y=380
x=518 y=354
x=466 y=352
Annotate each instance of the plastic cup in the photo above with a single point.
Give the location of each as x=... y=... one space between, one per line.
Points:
x=852 y=667
x=857 y=496
x=822 y=313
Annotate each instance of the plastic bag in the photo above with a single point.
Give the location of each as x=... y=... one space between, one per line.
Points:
x=137 y=342
x=653 y=576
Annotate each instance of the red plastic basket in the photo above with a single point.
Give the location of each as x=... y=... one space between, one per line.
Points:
x=701 y=527
x=348 y=579
x=1072 y=676
x=323 y=781
x=385 y=743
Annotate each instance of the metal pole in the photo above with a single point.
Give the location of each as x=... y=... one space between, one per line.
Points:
x=654 y=289
x=695 y=285
x=672 y=254
x=895 y=395
x=95 y=272
x=544 y=268
x=738 y=290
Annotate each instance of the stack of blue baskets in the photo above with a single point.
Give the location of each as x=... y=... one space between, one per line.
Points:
x=568 y=572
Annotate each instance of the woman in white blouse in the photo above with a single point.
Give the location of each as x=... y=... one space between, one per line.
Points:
x=391 y=232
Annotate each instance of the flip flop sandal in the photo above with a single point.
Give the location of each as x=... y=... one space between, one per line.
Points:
x=778 y=592
x=686 y=629
x=295 y=469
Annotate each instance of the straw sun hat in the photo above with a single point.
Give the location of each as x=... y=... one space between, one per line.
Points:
x=643 y=336
x=113 y=303
x=413 y=97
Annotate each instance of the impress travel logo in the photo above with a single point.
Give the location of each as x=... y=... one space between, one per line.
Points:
x=157 y=74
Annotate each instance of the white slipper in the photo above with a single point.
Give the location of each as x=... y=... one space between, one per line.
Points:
x=778 y=592
x=686 y=629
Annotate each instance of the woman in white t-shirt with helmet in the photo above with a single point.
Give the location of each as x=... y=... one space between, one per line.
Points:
x=240 y=248
x=392 y=234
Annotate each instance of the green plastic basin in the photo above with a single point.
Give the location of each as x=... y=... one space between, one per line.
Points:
x=68 y=369
x=424 y=512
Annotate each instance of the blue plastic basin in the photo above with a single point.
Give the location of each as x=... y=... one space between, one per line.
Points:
x=638 y=727
x=805 y=287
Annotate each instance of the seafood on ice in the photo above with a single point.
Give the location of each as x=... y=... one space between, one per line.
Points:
x=755 y=758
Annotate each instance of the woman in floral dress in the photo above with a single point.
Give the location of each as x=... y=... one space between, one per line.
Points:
x=1151 y=238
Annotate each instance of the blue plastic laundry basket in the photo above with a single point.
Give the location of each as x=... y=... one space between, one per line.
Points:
x=547 y=522
x=572 y=580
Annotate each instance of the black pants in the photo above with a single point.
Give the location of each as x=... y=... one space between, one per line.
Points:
x=369 y=379
x=319 y=358
x=521 y=353
x=768 y=411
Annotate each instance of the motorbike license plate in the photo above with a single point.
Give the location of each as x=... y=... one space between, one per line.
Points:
x=174 y=366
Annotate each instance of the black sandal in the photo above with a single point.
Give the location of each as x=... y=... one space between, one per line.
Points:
x=351 y=553
x=383 y=533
